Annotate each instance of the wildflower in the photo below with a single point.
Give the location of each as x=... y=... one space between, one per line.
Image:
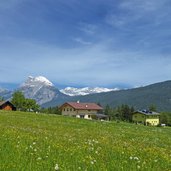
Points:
x=136 y=158
x=130 y=157
x=56 y=167
x=92 y=162
x=34 y=143
x=39 y=158
x=138 y=167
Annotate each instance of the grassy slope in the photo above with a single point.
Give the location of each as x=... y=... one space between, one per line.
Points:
x=36 y=142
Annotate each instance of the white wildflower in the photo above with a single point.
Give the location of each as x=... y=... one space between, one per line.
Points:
x=136 y=158
x=92 y=162
x=138 y=167
x=56 y=167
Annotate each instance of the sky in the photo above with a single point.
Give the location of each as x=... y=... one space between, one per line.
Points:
x=79 y=43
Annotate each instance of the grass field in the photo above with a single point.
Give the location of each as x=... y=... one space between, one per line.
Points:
x=39 y=142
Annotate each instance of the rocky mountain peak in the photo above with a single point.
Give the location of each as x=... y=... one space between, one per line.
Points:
x=36 y=81
x=40 y=89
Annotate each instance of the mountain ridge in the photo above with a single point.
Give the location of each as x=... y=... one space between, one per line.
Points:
x=72 y=91
x=157 y=94
x=42 y=90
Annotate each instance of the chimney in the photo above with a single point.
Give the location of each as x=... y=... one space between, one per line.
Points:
x=78 y=101
x=86 y=105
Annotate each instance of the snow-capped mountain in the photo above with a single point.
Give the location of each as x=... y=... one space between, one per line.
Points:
x=71 y=91
x=40 y=89
x=36 y=81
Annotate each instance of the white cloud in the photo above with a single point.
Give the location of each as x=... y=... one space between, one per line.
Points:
x=87 y=28
x=93 y=66
x=81 y=41
x=145 y=5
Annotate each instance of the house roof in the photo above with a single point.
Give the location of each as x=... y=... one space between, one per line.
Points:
x=6 y=102
x=2 y=102
x=147 y=112
x=83 y=106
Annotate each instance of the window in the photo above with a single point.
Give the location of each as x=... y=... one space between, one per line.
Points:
x=70 y=109
x=67 y=109
x=64 y=109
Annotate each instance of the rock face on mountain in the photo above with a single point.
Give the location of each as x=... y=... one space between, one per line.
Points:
x=71 y=91
x=40 y=89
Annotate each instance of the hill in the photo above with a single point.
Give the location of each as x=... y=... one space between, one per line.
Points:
x=158 y=94
x=47 y=142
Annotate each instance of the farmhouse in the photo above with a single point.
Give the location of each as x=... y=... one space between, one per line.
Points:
x=146 y=117
x=7 y=105
x=83 y=110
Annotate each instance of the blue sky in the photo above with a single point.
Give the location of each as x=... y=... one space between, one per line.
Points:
x=86 y=43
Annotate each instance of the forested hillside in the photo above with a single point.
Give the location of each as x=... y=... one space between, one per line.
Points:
x=158 y=94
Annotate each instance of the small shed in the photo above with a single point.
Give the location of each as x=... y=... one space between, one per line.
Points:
x=7 y=105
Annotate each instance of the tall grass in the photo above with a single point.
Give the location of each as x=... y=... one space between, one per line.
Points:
x=39 y=142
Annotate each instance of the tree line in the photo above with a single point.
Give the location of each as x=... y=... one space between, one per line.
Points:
x=24 y=104
x=123 y=112
x=30 y=105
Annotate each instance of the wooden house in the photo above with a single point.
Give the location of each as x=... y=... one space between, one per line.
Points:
x=7 y=105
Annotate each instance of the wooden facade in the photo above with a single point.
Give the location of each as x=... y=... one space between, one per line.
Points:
x=7 y=105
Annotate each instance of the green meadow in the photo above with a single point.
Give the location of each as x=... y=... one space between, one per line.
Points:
x=40 y=142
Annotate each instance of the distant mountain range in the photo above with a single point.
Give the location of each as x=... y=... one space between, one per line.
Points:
x=158 y=94
x=46 y=94
x=71 y=91
x=43 y=91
